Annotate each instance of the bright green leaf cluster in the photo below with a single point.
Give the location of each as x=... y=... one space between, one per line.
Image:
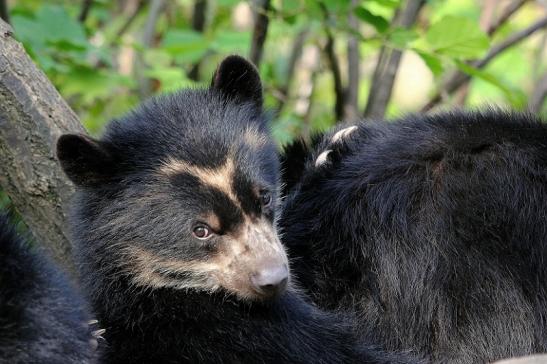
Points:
x=95 y=68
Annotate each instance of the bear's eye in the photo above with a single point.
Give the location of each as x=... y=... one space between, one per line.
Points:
x=202 y=232
x=265 y=198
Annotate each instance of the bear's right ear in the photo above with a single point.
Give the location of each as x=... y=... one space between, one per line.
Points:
x=85 y=160
x=238 y=79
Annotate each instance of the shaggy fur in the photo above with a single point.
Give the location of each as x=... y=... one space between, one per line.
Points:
x=42 y=316
x=431 y=228
x=191 y=160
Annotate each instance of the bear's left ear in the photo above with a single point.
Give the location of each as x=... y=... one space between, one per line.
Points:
x=86 y=161
x=238 y=79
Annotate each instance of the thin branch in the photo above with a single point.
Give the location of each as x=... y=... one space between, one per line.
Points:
x=537 y=99
x=260 y=30
x=84 y=11
x=131 y=18
x=306 y=120
x=334 y=66
x=459 y=78
x=352 y=91
x=198 y=18
x=296 y=53
x=511 y=41
x=388 y=64
x=538 y=56
x=198 y=24
x=336 y=75
x=145 y=84
x=156 y=8
x=490 y=27
x=505 y=15
x=487 y=14
x=4 y=11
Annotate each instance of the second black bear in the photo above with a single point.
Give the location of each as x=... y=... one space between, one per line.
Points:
x=43 y=317
x=432 y=228
x=174 y=227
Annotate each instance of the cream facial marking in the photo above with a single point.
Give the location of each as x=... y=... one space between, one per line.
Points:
x=151 y=270
x=240 y=255
x=219 y=178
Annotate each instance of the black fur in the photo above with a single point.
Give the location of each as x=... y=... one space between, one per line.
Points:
x=42 y=316
x=432 y=229
x=136 y=206
x=293 y=159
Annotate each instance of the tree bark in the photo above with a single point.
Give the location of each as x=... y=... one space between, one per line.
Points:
x=334 y=66
x=32 y=116
x=145 y=83
x=260 y=31
x=538 y=96
x=198 y=24
x=84 y=12
x=296 y=53
x=388 y=64
x=352 y=91
x=132 y=8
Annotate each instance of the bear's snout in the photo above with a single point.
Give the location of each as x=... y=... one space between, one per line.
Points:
x=270 y=280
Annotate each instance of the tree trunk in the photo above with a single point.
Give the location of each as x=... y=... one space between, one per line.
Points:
x=260 y=31
x=32 y=116
x=383 y=78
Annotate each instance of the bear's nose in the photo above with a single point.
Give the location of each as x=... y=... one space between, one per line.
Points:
x=270 y=281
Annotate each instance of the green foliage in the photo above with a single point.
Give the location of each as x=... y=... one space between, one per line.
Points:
x=457 y=37
x=379 y=23
x=95 y=68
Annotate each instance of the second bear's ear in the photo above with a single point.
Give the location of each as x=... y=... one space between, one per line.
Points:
x=238 y=79
x=85 y=160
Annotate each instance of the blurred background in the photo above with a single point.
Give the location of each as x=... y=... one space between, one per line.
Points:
x=321 y=61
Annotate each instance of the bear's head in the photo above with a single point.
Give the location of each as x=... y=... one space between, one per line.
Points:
x=182 y=192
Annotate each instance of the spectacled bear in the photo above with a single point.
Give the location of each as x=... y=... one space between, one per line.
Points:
x=431 y=228
x=174 y=227
x=43 y=317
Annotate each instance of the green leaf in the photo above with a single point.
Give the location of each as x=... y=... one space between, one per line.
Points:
x=392 y=4
x=179 y=42
x=52 y=37
x=285 y=128
x=91 y=84
x=432 y=61
x=170 y=78
x=400 y=37
x=60 y=26
x=457 y=37
x=28 y=31
x=512 y=96
x=227 y=3
x=376 y=21
x=232 y=42
x=291 y=6
x=336 y=6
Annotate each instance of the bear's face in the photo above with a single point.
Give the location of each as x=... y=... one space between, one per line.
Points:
x=182 y=193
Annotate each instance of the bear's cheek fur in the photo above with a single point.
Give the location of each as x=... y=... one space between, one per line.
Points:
x=235 y=259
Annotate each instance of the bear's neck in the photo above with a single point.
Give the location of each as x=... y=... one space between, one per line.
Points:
x=136 y=307
x=158 y=325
